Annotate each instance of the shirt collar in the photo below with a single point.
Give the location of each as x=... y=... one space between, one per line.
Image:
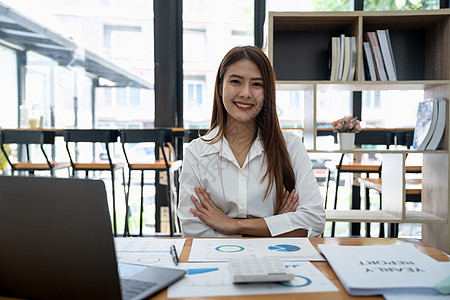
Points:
x=224 y=150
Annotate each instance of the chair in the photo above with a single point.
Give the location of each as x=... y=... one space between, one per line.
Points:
x=365 y=137
x=28 y=137
x=161 y=138
x=413 y=191
x=404 y=137
x=105 y=137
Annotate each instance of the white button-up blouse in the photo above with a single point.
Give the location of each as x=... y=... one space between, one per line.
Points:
x=239 y=192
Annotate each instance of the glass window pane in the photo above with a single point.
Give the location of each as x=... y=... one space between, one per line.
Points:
x=121 y=96
x=84 y=85
x=290 y=108
x=8 y=87
x=199 y=94
x=210 y=29
x=135 y=97
x=400 y=4
x=332 y=105
x=382 y=108
x=39 y=94
x=123 y=33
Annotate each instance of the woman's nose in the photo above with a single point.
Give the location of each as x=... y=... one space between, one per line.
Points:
x=245 y=91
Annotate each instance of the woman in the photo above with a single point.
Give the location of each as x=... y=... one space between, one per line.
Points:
x=246 y=177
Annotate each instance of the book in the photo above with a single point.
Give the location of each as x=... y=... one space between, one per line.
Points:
x=386 y=51
x=376 y=270
x=351 y=73
x=369 y=61
x=440 y=125
x=341 y=56
x=425 y=124
x=347 y=59
x=372 y=37
x=335 y=56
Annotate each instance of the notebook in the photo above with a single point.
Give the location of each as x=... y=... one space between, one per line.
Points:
x=57 y=243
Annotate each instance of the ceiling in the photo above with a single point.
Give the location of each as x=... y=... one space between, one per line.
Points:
x=24 y=34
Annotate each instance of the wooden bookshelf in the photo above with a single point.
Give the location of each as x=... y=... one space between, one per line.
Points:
x=299 y=51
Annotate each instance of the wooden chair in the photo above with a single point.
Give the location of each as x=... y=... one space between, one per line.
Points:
x=104 y=137
x=365 y=137
x=161 y=138
x=26 y=138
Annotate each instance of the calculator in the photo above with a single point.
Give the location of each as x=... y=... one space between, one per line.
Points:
x=258 y=269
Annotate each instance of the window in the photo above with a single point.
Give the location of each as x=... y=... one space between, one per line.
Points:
x=8 y=86
x=121 y=96
x=194 y=94
x=290 y=108
x=194 y=110
x=210 y=29
x=123 y=41
x=194 y=45
x=401 y=4
x=390 y=109
x=135 y=97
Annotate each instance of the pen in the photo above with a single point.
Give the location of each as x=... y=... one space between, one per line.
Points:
x=173 y=252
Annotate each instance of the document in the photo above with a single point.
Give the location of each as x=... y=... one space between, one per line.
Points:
x=214 y=279
x=294 y=249
x=147 y=251
x=375 y=270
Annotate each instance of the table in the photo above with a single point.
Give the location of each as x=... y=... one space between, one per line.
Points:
x=324 y=267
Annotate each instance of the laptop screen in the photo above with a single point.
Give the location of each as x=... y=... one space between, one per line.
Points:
x=57 y=241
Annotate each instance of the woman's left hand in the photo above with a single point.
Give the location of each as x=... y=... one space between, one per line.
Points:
x=289 y=203
x=207 y=211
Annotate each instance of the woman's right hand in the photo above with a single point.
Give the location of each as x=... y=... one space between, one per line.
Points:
x=289 y=203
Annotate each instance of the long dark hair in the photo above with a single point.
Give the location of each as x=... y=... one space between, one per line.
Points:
x=279 y=167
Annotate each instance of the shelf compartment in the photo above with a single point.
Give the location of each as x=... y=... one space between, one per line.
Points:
x=299 y=42
x=419 y=42
x=300 y=47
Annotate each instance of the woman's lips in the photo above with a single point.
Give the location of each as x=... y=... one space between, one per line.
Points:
x=243 y=106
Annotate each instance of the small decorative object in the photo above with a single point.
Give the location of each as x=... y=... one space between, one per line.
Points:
x=346 y=129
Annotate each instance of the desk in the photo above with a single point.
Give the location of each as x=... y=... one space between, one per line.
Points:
x=324 y=267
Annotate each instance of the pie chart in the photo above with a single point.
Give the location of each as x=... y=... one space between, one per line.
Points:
x=229 y=248
x=284 y=248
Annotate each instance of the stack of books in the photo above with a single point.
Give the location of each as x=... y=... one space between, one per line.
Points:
x=343 y=58
x=379 y=58
x=430 y=124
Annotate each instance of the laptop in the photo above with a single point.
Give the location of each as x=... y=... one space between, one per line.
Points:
x=57 y=243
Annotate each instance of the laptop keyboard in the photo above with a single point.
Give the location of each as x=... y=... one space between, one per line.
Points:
x=130 y=288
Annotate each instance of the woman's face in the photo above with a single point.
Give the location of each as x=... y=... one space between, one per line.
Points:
x=242 y=91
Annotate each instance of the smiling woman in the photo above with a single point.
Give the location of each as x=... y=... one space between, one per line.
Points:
x=243 y=91
x=245 y=176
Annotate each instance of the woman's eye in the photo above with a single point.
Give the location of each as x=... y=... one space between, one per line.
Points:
x=258 y=84
x=235 y=81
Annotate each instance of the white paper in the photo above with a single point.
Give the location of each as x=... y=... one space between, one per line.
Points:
x=374 y=270
x=214 y=279
x=409 y=296
x=147 y=251
x=296 y=249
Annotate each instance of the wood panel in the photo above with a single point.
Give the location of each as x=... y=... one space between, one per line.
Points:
x=393 y=177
